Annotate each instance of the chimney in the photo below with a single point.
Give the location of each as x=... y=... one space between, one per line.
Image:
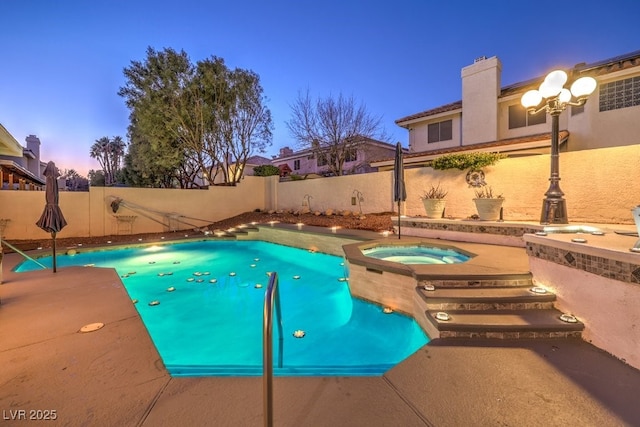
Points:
x=480 y=91
x=33 y=145
x=285 y=151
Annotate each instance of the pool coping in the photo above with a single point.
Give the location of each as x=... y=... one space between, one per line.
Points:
x=484 y=265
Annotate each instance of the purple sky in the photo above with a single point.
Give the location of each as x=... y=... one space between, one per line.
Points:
x=62 y=61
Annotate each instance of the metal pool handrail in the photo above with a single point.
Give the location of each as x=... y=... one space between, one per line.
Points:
x=271 y=299
x=10 y=246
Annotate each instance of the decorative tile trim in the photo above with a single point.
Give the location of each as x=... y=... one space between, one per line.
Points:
x=510 y=335
x=605 y=267
x=490 y=306
x=471 y=227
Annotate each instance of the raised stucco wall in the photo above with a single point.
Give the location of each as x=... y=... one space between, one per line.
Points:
x=336 y=192
x=600 y=186
x=607 y=307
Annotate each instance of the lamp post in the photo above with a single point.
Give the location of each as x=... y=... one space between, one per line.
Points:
x=553 y=98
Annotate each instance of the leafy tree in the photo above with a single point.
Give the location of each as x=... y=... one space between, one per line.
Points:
x=189 y=122
x=96 y=178
x=109 y=153
x=74 y=181
x=333 y=128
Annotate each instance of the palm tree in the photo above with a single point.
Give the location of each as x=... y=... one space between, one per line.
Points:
x=109 y=153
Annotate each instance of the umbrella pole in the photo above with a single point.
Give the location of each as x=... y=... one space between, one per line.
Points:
x=398 y=219
x=53 y=236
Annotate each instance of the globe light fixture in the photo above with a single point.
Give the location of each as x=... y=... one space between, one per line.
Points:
x=551 y=97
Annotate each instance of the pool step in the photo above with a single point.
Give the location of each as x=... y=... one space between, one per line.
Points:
x=504 y=324
x=491 y=311
x=233 y=233
x=509 y=298
x=498 y=281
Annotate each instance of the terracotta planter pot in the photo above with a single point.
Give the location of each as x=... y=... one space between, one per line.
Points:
x=434 y=208
x=489 y=209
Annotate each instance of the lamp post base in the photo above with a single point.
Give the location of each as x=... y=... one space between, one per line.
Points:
x=554 y=211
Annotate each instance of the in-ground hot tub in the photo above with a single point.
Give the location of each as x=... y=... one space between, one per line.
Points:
x=388 y=271
x=416 y=254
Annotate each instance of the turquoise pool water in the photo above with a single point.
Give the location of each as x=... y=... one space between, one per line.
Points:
x=208 y=320
x=415 y=254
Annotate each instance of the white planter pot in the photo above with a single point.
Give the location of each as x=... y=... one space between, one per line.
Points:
x=489 y=209
x=434 y=208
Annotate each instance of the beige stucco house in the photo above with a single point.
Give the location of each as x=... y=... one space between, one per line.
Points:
x=490 y=117
x=20 y=167
x=359 y=160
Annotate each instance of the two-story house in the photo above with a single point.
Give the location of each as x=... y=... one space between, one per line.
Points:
x=20 y=167
x=491 y=118
x=357 y=160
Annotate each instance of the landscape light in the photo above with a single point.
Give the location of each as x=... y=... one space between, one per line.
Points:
x=555 y=99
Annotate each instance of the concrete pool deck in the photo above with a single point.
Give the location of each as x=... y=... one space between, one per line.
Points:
x=114 y=376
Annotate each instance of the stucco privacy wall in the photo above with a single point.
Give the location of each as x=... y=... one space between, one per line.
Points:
x=90 y=213
x=336 y=192
x=600 y=186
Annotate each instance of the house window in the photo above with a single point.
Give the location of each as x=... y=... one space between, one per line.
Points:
x=296 y=165
x=441 y=131
x=351 y=155
x=620 y=94
x=519 y=117
x=322 y=160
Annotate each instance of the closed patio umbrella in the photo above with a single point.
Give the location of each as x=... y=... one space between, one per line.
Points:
x=52 y=219
x=399 y=191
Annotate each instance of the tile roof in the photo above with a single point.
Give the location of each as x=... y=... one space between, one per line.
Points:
x=503 y=145
x=258 y=160
x=442 y=109
x=564 y=134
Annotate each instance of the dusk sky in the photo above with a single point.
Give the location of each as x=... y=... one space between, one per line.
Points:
x=62 y=61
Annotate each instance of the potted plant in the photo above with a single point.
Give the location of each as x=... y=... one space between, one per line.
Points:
x=434 y=201
x=488 y=204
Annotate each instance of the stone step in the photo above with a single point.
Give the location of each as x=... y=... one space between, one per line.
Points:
x=509 y=298
x=497 y=281
x=504 y=324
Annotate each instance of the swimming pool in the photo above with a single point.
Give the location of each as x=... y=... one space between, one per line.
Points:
x=210 y=297
x=416 y=254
